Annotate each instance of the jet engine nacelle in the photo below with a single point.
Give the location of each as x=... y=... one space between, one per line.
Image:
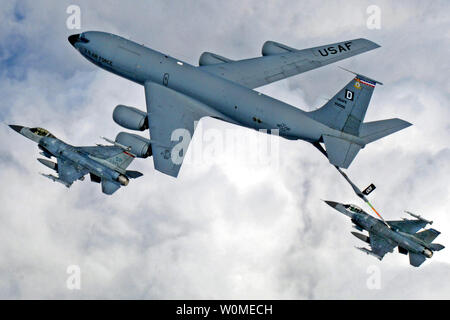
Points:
x=130 y=118
x=140 y=146
x=271 y=48
x=208 y=58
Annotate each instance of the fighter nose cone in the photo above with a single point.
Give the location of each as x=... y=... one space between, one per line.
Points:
x=16 y=128
x=73 y=39
x=331 y=203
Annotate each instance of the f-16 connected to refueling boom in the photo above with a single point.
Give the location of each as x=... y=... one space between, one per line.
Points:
x=384 y=236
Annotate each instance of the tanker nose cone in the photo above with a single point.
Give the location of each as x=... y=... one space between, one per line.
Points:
x=331 y=203
x=16 y=128
x=73 y=39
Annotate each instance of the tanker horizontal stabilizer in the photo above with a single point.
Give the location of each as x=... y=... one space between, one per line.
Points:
x=340 y=152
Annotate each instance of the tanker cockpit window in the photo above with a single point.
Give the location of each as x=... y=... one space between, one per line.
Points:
x=83 y=38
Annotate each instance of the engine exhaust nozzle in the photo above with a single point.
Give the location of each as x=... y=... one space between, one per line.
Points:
x=123 y=180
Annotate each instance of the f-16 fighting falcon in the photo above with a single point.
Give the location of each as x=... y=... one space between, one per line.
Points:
x=105 y=164
x=385 y=236
x=178 y=94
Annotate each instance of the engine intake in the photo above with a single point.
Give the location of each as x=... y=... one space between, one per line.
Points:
x=140 y=146
x=271 y=48
x=130 y=118
x=208 y=58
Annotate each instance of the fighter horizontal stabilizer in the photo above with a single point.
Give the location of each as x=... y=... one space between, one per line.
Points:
x=436 y=247
x=133 y=174
x=427 y=235
x=416 y=259
x=407 y=226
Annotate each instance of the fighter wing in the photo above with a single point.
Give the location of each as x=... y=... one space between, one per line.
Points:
x=116 y=156
x=280 y=62
x=172 y=118
x=69 y=172
x=101 y=152
x=408 y=226
x=381 y=246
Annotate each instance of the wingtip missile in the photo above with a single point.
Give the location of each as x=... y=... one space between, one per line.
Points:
x=49 y=164
x=55 y=179
x=419 y=217
x=369 y=252
x=117 y=144
x=361 y=236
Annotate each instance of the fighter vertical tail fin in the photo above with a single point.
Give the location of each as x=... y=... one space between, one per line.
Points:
x=416 y=259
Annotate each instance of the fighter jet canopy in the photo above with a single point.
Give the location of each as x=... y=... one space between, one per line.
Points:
x=353 y=208
x=42 y=132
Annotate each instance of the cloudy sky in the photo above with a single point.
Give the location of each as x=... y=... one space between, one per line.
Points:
x=229 y=226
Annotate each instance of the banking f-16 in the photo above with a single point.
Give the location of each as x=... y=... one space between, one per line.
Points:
x=384 y=236
x=179 y=94
x=106 y=164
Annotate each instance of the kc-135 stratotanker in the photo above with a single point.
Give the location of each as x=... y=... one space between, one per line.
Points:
x=179 y=94
x=384 y=236
x=105 y=164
